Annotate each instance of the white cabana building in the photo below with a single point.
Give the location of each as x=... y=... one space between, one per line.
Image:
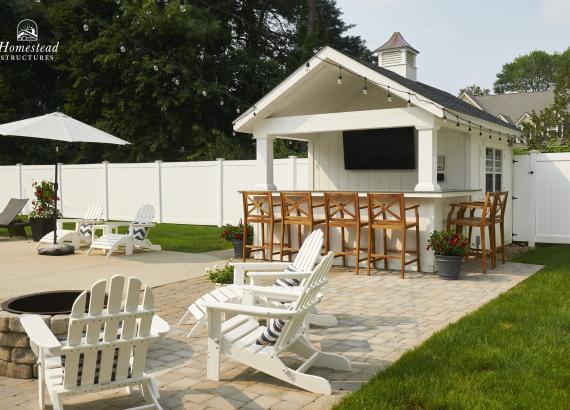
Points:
x=457 y=151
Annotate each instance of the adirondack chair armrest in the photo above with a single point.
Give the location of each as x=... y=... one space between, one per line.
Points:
x=247 y=266
x=256 y=311
x=272 y=292
x=159 y=326
x=39 y=333
x=151 y=225
x=278 y=275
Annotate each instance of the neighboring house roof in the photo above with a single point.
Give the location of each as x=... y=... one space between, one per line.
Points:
x=438 y=96
x=513 y=106
x=396 y=41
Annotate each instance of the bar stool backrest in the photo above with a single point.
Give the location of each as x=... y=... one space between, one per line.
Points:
x=384 y=207
x=296 y=206
x=500 y=205
x=257 y=206
x=342 y=207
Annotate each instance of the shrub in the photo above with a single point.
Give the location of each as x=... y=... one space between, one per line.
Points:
x=447 y=243
x=221 y=274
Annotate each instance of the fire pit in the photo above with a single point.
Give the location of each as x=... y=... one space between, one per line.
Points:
x=16 y=358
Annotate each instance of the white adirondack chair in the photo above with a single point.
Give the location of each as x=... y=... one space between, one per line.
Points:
x=136 y=236
x=237 y=337
x=299 y=269
x=82 y=232
x=105 y=349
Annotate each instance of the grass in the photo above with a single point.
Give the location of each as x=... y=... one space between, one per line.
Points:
x=511 y=353
x=174 y=237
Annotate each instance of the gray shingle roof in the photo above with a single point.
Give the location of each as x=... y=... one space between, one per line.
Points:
x=514 y=105
x=438 y=96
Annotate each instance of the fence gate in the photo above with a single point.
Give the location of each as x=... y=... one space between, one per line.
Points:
x=541 y=202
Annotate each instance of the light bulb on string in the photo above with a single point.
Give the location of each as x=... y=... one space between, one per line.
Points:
x=276 y=54
x=457 y=118
x=480 y=130
x=122 y=48
x=176 y=81
x=204 y=92
x=365 y=88
x=182 y=6
x=155 y=67
x=234 y=133
x=409 y=100
x=221 y=103
x=85 y=27
x=339 y=79
x=490 y=130
x=389 y=95
x=238 y=110
x=469 y=125
x=307 y=66
x=444 y=117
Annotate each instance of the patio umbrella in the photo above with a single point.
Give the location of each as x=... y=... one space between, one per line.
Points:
x=59 y=127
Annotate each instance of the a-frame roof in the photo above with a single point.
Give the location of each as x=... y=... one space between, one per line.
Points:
x=436 y=100
x=395 y=41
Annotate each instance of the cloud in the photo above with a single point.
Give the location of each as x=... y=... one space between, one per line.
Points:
x=556 y=11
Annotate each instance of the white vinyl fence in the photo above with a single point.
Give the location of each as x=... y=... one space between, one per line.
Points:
x=202 y=193
x=541 y=208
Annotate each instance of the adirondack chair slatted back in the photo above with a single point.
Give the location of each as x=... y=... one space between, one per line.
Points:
x=93 y=213
x=144 y=215
x=11 y=211
x=304 y=302
x=309 y=252
x=109 y=343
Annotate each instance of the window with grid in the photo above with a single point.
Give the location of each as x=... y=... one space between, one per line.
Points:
x=493 y=169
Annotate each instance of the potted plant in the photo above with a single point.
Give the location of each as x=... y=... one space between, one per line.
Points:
x=449 y=248
x=234 y=234
x=221 y=275
x=42 y=217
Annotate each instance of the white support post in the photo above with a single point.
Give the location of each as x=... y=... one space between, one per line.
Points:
x=533 y=194
x=427 y=160
x=105 y=196
x=264 y=163
x=20 y=186
x=220 y=201
x=158 y=164
x=293 y=171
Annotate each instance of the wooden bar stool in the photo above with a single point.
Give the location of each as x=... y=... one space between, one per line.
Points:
x=500 y=209
x=387 y=211
x=259 y=208
x=484 y=220
x=342 y=210
x=297 y=208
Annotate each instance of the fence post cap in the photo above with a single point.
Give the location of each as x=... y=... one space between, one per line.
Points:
x=219 y=159
x=157 y=160
x=293 y=156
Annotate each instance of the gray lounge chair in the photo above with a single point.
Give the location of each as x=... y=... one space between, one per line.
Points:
x=9 y=214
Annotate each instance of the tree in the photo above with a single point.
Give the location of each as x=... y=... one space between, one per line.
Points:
x=474 y=89
x=170 y=82
x=549 y=130
x=532 y=72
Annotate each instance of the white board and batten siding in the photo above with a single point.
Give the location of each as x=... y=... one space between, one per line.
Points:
x=542 y=188
x=201 y=192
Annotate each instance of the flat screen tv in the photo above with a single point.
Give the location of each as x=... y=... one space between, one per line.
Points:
x=387 y=148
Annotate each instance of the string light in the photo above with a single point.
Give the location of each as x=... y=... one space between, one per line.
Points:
x=307 y=66
x=409 y=100
x=480 y=130
x=204 y=92
x=389 y=95
x=122 y=48
x=457 y=124
x=470 y=126
x=238 y=110
x=339 y=79
x=85 y=27
x=365 y=88
x=155 y=67
x=444 y=117
x=176 y=81
x=182 y=6
x=221 y=102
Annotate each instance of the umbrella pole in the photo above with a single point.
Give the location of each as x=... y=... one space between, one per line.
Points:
x=55 y=186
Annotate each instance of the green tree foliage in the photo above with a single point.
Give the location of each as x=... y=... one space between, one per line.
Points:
x=170 y=82
x=549 y=129
x=474 y=89
x=531 y=72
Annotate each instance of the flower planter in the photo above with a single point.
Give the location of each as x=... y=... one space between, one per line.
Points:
x=238 y=249
x=448 y=267
x=40 y=227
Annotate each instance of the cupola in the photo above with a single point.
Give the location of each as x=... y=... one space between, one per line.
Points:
x=398 y=56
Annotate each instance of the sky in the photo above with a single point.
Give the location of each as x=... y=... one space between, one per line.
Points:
x=462 y=42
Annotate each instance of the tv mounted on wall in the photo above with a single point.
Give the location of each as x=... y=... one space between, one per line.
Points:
x=386 y=148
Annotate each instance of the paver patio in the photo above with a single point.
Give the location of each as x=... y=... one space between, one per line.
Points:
x=380 y=317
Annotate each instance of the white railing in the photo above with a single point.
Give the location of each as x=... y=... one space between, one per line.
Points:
x=202 y=192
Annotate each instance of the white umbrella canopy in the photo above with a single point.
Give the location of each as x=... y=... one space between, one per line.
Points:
x=60 y=127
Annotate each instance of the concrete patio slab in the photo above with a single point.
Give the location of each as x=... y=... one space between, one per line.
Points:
x=380 y=318
x=22 y=270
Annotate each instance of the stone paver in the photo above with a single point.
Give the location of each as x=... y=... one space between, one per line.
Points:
x=380 y=317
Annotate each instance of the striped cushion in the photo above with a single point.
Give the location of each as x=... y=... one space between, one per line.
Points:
x=288 y=282
x=271 y=332
x=85 y=229
x=139 y=233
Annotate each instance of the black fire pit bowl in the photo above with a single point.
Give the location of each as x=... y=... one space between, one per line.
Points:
x=57 y=302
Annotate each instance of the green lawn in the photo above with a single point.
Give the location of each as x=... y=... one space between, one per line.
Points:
x=173 y=237
x=512 y=353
